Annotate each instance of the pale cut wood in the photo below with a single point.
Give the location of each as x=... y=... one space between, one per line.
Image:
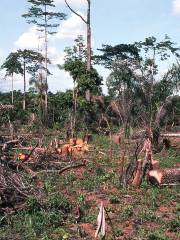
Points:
x=170 y=135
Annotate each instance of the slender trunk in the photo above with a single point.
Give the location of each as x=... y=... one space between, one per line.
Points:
x=46 y=72
x=74 y=107
x=12 y=94
x=41 y=97
x=24 y=96
x=88 y=54
x=152 y=87
x=88 y=67
x=89 y=37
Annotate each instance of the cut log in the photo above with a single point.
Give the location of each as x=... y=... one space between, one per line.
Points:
x=170 y=135
x=164 y=176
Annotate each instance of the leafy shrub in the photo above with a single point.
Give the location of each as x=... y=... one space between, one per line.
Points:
x=58 y=201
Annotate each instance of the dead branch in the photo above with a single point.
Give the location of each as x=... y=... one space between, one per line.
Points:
x=7 y=144
x=62 y=170
x=77 y=14
x=31 y=152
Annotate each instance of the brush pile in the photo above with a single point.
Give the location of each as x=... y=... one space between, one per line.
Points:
x=21 y=167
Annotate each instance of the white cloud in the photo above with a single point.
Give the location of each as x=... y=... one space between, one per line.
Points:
x=56 y=56
x=71 y=28
x=30 y=39
x=176 y=7
x=59 y=81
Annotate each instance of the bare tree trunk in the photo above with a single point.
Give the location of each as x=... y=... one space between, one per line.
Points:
x=152 y=87
x=74 y=109
x=46 y=71
x=12 y=88
x=24 y=95
x=89 y=36
x=88 y=67
x=88 y=24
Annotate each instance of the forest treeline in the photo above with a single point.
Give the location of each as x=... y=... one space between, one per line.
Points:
x=142 y=90
x=136 y=89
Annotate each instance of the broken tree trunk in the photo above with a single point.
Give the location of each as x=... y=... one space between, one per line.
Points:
x=137 y=179
x=155 y=165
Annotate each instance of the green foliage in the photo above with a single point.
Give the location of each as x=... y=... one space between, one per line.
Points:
x=157 y=235
x=81 y=201
x=12 y=64
x=114 y=199
x=128 y=211
x=33 y=205
x=175 y=225
x=119 y=52
x=145 y=215
x=17 y=114
x=134 y=70
x=75 y=64
x=58 y=201
x=40 y=15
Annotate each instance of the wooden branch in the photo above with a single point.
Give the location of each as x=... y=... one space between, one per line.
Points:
x=24 y=167
x=62 y=170
x=77 y=14
x=31 y=152
x=7 y=144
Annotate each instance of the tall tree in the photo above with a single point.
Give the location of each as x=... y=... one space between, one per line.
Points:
x=142 y=59
x=12 y=66
x=155 y=51
x=41 y=14
x=37 y=80
x=28 y=59
x=87 y=21
x=75 y=64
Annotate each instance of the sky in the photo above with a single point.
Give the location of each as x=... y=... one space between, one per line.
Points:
x=113 y=22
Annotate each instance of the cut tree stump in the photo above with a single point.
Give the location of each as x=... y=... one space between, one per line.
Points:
x=137 y=179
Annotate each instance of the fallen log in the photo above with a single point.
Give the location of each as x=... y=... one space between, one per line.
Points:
x=170 y=135
x=164 y=176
